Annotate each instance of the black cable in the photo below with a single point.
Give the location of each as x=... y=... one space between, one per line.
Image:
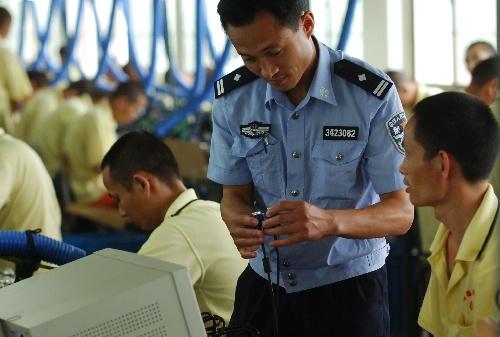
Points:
x=277 y=293
x=218 y=328
x=217 y=322
x=260 y=216
x=248 y=331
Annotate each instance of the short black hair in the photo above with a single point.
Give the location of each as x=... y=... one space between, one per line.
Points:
x=140 y=151
x=484 y=44
x=241 y=12
x=83 y=87
x=132 y=90
x=5 y=16
x=485 y=71
x=39 y=77
x=461 y=125
x=63 y=51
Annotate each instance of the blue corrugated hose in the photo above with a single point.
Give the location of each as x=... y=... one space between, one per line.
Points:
x=15 y=244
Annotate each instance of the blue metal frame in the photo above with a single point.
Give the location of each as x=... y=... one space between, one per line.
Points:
x=195 y=94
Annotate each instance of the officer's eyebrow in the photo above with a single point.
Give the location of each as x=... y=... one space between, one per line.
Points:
x=261 y=51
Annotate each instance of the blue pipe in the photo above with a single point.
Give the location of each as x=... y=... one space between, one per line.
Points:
x=207 y=36
x=15 y=244
x=170 y=123
x=195 y=94
x=132 y=54
x=63 y=72
x=44 y=36
x=64 y=19
x=104 y=43
x=157 y=21
x=21 y=28
x=200 y=69
x=346 y=27
x=174 y=71
x=104 y=64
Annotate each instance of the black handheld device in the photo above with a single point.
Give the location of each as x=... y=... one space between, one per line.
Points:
x=261 y=217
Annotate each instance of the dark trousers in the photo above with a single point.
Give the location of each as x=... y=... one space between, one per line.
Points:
x=356 y=307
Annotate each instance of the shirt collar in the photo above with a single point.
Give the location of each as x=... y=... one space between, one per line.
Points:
x=475 y=234
x=181 y=201
x=321 y=86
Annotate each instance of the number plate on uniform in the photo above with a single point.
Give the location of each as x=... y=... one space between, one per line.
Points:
x=340 y=132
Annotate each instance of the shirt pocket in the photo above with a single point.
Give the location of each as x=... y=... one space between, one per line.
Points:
x=335 y=168
x=265 y=163
x=458 y=330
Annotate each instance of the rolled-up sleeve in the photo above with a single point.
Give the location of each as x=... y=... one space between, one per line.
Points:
x=225 y=165
x=384 y=153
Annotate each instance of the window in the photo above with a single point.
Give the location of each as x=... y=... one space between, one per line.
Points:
x=442 y=29
x=443 y=33
x=329 y=17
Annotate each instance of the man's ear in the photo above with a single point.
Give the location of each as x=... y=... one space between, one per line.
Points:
x=141 y=181
x=444 y=163
x=308 y=23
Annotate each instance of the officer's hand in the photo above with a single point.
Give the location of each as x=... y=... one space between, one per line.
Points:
x=246 y=236
x=302 y=220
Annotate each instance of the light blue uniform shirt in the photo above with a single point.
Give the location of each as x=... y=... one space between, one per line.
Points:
x=298 y=164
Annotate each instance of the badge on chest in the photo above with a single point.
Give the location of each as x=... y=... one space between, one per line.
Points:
x=340 y=132
x=255 y=130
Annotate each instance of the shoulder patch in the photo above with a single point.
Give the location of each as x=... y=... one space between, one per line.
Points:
x=395 y=128
x=233 y=80
x=363 y=78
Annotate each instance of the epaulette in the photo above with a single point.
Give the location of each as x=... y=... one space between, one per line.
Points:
x=363 y=78
x=233 y=80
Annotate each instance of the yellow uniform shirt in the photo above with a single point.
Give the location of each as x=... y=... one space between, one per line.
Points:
x=453 y=306
x=48 y=139
x=14 y=85
x=88 y=139
x=27 y=196
x=42 y=104
x=198 y=239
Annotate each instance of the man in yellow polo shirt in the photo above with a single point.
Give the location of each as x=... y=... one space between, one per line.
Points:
x=15 y=86
x=48 y=138
x=90 y=136
x=142 y=174
x=27 y=197
x=43 y=102
x=451 y=143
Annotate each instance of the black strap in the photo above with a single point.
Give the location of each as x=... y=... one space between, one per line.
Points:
x=31 y=243
x=182 y=208
x=490 y=231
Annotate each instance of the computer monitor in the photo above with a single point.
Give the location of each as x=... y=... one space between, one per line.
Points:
x=110 y=293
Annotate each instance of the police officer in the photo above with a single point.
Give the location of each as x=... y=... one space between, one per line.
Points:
x=313 y=136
